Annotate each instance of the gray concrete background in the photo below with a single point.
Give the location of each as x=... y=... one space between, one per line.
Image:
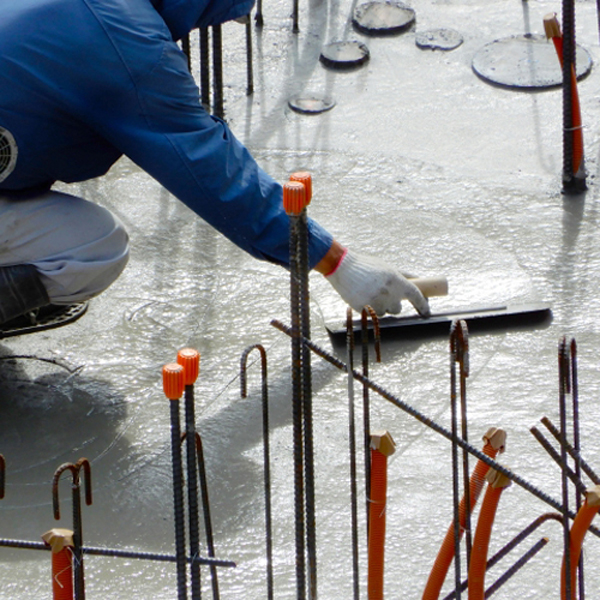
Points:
x=421 y=163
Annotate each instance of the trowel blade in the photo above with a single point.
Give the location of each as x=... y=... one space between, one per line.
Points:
x=477 y=319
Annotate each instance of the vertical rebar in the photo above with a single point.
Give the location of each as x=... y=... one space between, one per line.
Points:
x=2 y=475
x=577 y=446
x=259 y=14
x=210 y=544
x=352 y=448
x=366 y=312
x=185 y=46
x=455 y=476
x=217 y=38
x=192 y=483
x=204 y=68
x=297 y=407
x=266 y=455
x=178 y=504
x=249 y=69
x=563 y=369
x=295 y=27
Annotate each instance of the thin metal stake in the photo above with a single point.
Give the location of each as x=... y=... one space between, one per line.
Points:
x=266 y=454
x=352 y=447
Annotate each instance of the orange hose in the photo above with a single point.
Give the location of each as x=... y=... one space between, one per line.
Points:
x=581 y=524
x=446 y=553
x=377 y=524
x=481 y=541
x=62 y=574
x=575 y=109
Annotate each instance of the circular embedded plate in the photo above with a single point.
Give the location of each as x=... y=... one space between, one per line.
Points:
x=525 y=62
x=438 y=39
x=344 y=55
x=383 y=18
x=311 y=104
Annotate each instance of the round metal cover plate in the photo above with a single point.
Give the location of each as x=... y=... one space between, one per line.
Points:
x=311 y=104
x=525 y=61
x=383 y=18
x=344 y=55
x=438 y=39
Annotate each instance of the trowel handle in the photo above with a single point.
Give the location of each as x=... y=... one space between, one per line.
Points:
x=431 y=286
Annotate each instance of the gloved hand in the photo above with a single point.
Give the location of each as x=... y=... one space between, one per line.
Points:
x=362 y=280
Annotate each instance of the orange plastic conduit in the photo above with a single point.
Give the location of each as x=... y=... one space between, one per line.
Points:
x=581 y=524
x=61 y=543
x=497 y=484
x=382 y=446
x=494 y=442
x=553 y=32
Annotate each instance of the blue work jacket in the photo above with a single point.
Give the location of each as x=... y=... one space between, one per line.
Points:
x=83 y=82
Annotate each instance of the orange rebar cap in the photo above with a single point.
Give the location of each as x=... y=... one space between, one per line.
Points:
x=189 y=359
x=294 y=197
x=173 y=380
x=306 y=178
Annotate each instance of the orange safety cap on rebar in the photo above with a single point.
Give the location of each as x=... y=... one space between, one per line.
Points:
x=306 y=178
x=189 y=359
x=294 y=197
x=173 y=380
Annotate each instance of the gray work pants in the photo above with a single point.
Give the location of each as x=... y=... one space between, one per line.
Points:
x=78 y=247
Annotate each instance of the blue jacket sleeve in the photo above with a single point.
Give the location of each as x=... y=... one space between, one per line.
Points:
x=152 y=113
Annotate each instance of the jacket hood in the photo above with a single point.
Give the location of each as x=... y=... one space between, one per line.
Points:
x=181 y=16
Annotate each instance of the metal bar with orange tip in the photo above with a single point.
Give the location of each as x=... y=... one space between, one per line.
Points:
x=173 y=387
x=189 y=359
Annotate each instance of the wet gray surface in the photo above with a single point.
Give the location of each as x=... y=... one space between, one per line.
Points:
x=419 y=162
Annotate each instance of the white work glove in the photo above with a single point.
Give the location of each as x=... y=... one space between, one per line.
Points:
x=363 y=280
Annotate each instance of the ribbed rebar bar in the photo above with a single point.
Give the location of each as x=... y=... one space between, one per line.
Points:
x=297 y=408
x=178 y=504
x=204 y=68
x=584 y=465
x=455 y=477
x=366 y=313
x=307 y=408
x=249 y=57
x=515 y=567
x=266 y=454
x=117 y=553
x=2 y=475
x=407 y=408
x=506 y=549
x=217 y=39
x=352 y=448
x=564 y=384
x=210 y=544
x=555 y=456
x=577 y=447
x=192 y=489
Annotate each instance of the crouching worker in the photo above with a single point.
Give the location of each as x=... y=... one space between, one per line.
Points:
x=86 y=81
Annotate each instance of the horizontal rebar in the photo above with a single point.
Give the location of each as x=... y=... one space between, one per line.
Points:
x=435 y=426
x=27 y=545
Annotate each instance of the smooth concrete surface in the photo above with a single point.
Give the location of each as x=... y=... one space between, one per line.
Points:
x=421 y=163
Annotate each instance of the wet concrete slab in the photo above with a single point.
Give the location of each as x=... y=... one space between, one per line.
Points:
x=420 y=162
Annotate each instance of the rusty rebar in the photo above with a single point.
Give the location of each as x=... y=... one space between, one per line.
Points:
x=539 y=436
x=75 y=470
x=266 y=453
x=2 y=475
x=178 y=502
x=352 y=448
x=506 y=549
x=208 y=529
x=413 y=412
x=204 y=68
x=575 y=455
x=217 y=39
x=367 y=312
x=249 y=69
x=118 y=553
